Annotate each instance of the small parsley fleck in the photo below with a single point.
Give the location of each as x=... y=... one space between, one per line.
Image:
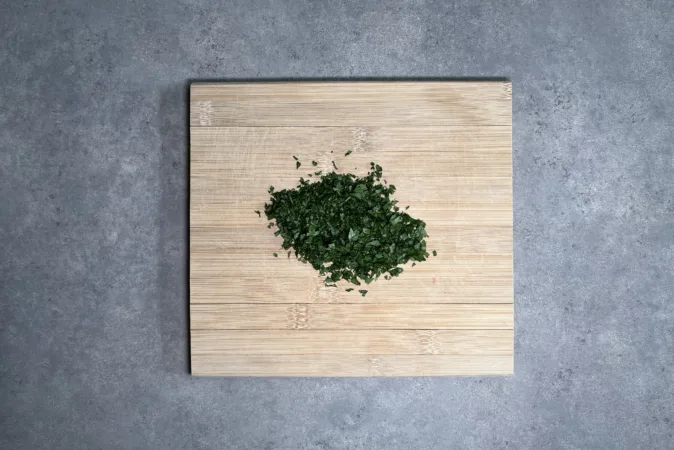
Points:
x=363 y=292
x=348 y=153
x=334 y=165
x=348 y=289
x=435 y=253
x=298 y=164
x=295 y=157
x=275 y=255
x=257 y=211
x=314 y=163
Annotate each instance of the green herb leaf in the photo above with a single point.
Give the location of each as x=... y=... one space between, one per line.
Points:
x=298 y=164
x=348 y=289
x=347 y=227
x=334 y=165
x=435 y=253
x=314 y=163
x=363 y=292
x=275 y=255
x=257 y=211
x=348 y=153
x=295 y=157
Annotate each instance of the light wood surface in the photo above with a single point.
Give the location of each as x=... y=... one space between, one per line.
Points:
x=301 y=365
x=353 y=342
x=351 y=104
x=353 y=316
x=447 y=148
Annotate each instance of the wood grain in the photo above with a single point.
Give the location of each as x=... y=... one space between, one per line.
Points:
x=351 y=365
x=351 y=316
x=447 y=148
x=353 y=342
x=350 y=104
x=478 y=151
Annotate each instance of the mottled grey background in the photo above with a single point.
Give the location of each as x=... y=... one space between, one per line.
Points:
x=93 y=223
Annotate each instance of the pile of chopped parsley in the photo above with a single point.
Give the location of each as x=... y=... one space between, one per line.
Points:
x=347 y=227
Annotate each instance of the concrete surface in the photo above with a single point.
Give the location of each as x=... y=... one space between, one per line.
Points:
x=93 y=223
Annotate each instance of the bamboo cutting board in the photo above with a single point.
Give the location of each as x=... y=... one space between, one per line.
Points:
x=447 y=148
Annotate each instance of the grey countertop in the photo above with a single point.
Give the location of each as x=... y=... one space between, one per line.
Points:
x=93 y=223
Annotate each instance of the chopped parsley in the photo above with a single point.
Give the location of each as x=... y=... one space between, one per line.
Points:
x=347 y=227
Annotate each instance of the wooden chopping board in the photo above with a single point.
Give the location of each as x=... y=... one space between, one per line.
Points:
x=447 y=148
